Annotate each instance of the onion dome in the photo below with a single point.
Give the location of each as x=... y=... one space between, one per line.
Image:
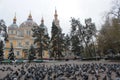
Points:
x=13 y=25
x=43 y=26
x=29 y=22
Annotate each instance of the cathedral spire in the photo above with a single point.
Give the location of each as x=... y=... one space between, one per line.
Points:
x=30 y=16
x=14 y=19
x=56 y=21
x=55 y=15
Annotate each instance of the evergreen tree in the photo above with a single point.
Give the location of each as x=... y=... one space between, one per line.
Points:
x=76 y=45
x=57 y=42
x=83 y=34
x=76 y=41
x=31 y=55
x=61 y=45
x=41 y=39
x=11 y=53
x=67 y=44
x=3 y=37
x=90 y=33
x=54 y=32
x=1 y=50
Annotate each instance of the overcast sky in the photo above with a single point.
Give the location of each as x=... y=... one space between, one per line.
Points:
x=66 y=9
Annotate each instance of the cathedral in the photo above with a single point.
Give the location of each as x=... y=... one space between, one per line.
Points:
x=21 y=36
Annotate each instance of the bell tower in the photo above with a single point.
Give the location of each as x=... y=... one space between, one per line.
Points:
x=56 y=21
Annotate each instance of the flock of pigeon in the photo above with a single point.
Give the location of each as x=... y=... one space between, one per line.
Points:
x=39 y=71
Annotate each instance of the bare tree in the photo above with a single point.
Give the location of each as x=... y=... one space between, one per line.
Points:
x=115 y=10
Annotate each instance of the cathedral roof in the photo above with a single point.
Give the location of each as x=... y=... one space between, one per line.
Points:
x=29 y=22
x=13 y=26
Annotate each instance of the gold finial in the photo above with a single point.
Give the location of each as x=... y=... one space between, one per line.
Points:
x=30 y=16
x=14 y=20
